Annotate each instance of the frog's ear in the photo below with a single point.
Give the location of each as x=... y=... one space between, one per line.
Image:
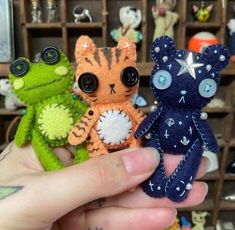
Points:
x=84 y=47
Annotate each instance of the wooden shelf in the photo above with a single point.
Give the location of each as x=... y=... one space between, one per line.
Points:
x=229 y=177
x=87 y=25
x=232 y=142
x=6 y=112
x=204 y=25
x=3 y=146
x=227 y=205
x=211 y=176
x=207 y=205
x=4 y=69
x=43 y=25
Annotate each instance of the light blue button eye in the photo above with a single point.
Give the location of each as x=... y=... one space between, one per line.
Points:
x=207 y=88
x=162 y=79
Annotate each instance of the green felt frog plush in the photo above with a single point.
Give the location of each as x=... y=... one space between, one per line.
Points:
x=52 y=111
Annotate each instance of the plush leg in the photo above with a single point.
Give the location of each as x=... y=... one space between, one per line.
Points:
x=81 y=154
x=45 y=154
x=155 y=185
x=95 y=146
x=180 y=182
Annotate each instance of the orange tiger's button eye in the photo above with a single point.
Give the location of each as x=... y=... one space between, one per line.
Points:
x=90 y=112
x=136 y=106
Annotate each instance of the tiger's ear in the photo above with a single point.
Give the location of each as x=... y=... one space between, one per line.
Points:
x=84 y=47
x=128 y=47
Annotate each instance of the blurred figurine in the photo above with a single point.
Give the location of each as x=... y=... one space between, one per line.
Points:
x=36 y=11
x=164 y=18
x=175 y=225
x=11 y=101
x=51 y=11
x=81 y=14
x=199 y=219
x=231 y=27
x=185 y=223
x=202 y=13
x=130 y=18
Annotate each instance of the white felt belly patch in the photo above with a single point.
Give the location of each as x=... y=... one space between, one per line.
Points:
x=114 y=127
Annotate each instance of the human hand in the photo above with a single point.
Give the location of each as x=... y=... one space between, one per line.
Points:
x=63 y=199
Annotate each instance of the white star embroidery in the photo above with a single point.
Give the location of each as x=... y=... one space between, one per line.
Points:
x=127 y=45
x=85 y=46
x=188 y=66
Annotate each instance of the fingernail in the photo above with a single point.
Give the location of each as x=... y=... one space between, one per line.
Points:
x=206 y=187
x=141 y=161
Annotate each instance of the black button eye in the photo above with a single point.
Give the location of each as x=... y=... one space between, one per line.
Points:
x=88 y=82
x=19 y=67
x=50 y=55
x=130 y=76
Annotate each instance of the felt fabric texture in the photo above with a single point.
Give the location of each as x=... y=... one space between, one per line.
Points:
x=51 y=110
x=110 y=101
x=183 y=82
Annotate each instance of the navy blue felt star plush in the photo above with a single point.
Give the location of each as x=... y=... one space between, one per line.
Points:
x=183 y=82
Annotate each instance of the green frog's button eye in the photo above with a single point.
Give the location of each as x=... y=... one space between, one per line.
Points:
x=130 y=76
x=207 y=88
x=50 y=55
x=88 y=82
x=19 y=67
x=162 y=79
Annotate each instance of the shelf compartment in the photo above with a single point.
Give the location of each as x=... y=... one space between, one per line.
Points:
x=207 y=205
x=229 y=177
x=211 y=176
x=7 y=112
x=204 y=25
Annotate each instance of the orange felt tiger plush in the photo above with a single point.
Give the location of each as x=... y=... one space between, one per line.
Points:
x=107 y=79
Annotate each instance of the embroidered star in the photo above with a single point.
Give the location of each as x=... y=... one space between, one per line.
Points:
x=151 y=185
x=85 y=46
x=169 y=66
x=188 y=66
x=127 y=45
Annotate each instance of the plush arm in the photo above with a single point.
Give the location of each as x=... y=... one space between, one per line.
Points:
x=206 y=133
x=81 y=130
x=147 y=123
x=23 y=131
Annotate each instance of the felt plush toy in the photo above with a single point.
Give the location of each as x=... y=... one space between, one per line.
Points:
x=183 y=82
x=130 y=18
x=11 y=101
x=164 y=18
x=231 y=27
x=202 y=13
x=51 y=112
x=107 y=78
x=199 y=219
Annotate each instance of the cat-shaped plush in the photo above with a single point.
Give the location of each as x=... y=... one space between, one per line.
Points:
x=183 y=82
x=107 y=79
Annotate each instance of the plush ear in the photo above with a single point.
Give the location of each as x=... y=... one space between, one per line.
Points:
x=84 y=46
x=217 y=56
x=161 y=47
x=128 y=47
x=195 y=8
x=210 y=8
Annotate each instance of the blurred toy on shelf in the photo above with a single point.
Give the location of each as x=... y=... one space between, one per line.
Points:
x=130 y=18
x=231 y=169
x=216 y=103
x=36 y=11
x=213 y=159
x=201 y=40
x=199 y=220
x=202 y=13
x=231 y=27
x=164 y=18
x=140 y=100
x=224 y=225
x=175 y=225
x=51 y=11
x=230 y=196
x=185 y=223
x=11 y=101
x=81 y=14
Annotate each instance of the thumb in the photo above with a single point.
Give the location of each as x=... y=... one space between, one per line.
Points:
x=104 y=176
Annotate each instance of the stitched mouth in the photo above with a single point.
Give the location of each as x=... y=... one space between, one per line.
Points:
x=42 y=85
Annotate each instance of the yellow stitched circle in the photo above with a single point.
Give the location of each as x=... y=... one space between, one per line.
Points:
x=55 y=121
x=18 y=84
x=61 y=70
